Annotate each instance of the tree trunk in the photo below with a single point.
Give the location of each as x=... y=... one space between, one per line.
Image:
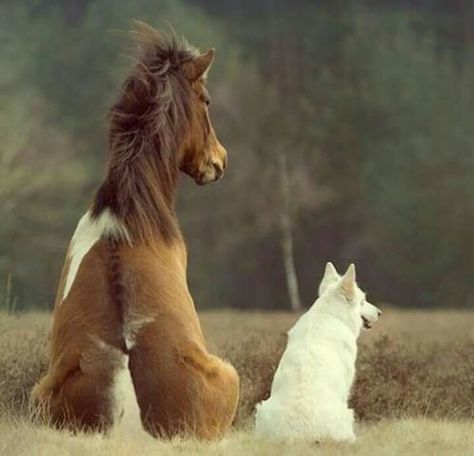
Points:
x=286 y=237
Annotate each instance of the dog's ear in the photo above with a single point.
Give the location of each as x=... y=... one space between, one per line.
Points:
x=330 y=276
x=330 y=271
x=348 y=282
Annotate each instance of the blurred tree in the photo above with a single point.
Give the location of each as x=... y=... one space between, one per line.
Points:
x=399 y=152
x=348 y=125
x=31 y=207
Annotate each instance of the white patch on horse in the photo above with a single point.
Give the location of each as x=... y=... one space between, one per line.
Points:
x=133 y=323
x=87 y=233
x=124 y=408
x=126 y=411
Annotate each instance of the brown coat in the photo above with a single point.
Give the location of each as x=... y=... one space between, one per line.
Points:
x=180 y=387
x=129 y=305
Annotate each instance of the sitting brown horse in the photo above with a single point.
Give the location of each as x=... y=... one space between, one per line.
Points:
x=125 y=331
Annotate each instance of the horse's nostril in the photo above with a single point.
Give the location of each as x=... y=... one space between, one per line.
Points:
x=218 y=170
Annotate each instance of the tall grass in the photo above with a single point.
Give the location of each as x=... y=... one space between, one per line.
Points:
x=7 y=304
x=421 y=367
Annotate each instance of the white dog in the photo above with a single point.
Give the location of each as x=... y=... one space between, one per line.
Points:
x=313 y=381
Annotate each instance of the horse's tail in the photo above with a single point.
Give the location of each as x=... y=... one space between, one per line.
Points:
x=117 y=288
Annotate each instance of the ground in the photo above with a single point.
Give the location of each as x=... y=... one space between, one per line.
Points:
x=414 y=393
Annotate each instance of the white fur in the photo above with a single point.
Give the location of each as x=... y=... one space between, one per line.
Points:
x=133 y=324
x=87 y=233
x=129 y=343
x=126 y=412
x=122 y=397
x=312 y=383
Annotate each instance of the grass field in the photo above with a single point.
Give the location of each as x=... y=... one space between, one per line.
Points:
x=414 y=392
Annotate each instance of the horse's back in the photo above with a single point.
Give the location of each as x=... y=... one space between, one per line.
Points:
x=85 y=347
x=180 y=387
x=88 y=314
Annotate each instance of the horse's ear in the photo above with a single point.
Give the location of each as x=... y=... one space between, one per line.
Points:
x=199 y=66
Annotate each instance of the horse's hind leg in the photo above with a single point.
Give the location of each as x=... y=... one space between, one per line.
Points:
x=81 y=397
x=344 y=432
x=223 y=387
x=194 y=394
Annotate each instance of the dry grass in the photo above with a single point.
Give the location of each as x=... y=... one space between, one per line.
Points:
x=414 y=391
x=388 y=438
x=412 y=363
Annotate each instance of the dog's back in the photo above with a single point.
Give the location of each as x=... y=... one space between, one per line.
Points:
x=312 y=384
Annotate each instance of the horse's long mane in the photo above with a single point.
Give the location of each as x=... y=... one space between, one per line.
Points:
x=147 y=124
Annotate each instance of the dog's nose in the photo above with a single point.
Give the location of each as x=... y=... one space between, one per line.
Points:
x=379 y=312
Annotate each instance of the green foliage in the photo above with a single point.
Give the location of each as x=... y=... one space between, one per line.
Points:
x=372 y=106
x=401 y=118
x=54 y=128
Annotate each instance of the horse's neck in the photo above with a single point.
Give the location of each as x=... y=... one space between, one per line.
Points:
x=139 y=190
